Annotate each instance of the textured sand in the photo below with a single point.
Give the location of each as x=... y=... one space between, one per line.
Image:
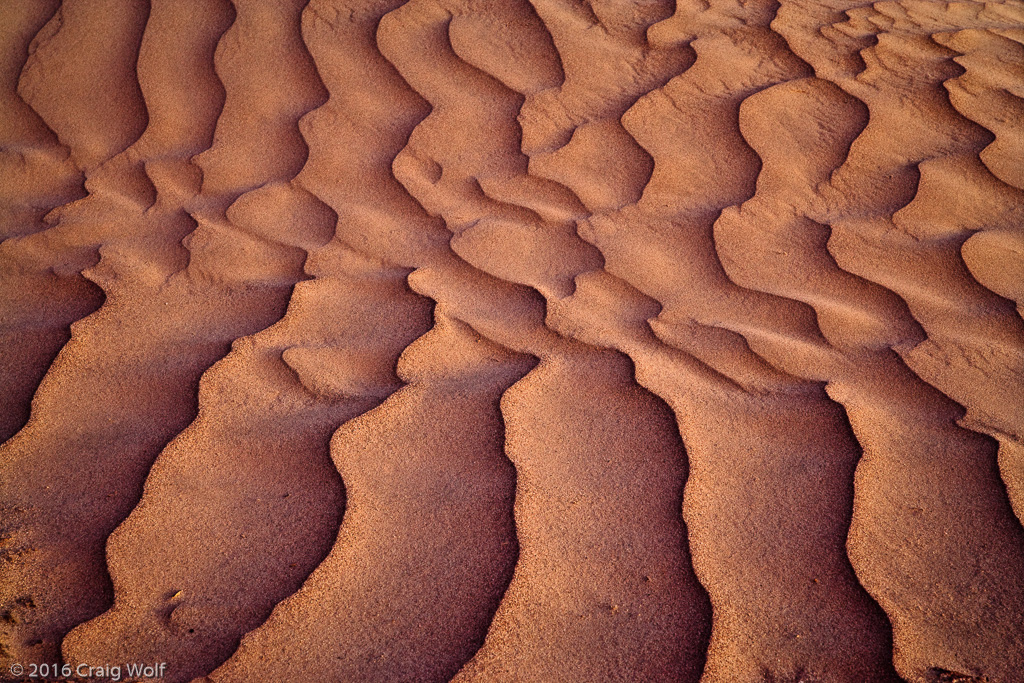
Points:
x=513 y=340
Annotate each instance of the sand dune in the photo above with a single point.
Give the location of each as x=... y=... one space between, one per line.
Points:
x=538 y=340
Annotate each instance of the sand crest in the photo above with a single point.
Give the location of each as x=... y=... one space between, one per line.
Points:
x=532 y=340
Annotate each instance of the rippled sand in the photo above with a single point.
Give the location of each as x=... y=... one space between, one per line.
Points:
x=508 y=340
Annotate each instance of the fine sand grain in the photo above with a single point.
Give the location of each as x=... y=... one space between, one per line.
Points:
x=513 y=340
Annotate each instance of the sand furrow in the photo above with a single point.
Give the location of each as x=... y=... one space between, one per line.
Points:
x=244 y=503
x=365 y=235
x=38 y=173
x=558 y=642
x=608 y=63
x=423 y=340
x=904 y=451
x=926 y=484
x=55 y=259
x=796 y=578
x=150 y=278
x=427 y=546
x=295 y=400
x=853 y=606
x=603 y=589
x=113 y=115
x=822 y=509
x=36 y=176
x=702 y=165
x=489 y=201
x=988 y=93
x=46 y=293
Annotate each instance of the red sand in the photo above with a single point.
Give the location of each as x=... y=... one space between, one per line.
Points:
x=547 y=340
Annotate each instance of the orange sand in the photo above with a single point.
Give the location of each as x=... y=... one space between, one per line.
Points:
x=519 y=340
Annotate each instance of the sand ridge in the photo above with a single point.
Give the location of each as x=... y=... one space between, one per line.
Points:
x=538 y=340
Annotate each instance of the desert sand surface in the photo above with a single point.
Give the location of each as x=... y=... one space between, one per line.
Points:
x=512 y=340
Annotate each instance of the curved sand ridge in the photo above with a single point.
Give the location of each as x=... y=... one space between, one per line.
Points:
x=375 y=340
